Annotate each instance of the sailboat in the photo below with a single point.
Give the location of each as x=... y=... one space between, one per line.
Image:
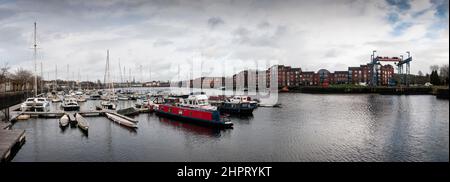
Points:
x=35 y=103
x=109 y=102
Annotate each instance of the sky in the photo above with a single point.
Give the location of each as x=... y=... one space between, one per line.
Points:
x=151 y=37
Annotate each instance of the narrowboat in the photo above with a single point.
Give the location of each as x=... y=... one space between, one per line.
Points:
x=195 y=109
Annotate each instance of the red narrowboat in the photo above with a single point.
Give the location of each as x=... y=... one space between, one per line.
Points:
x=195 y=109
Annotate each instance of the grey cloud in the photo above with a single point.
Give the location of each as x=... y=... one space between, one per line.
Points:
x=267 y=37
x=6 y=13
x=264 y=24
x=11 y=35
x=331 y=53
x=162 y=42
x=81 y=31
x=215 y=21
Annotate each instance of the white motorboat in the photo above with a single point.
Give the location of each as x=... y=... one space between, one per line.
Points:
x=36 y=104
x=70 y=104
x=108 y=105
x=81 y=98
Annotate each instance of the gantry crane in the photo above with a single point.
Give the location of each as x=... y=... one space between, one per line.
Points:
x=399 y=62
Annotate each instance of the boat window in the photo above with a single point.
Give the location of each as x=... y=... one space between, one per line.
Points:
x=30 y=99
x=202 y=102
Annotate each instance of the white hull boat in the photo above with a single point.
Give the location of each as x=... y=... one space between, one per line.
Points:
x=82 y=123
x=121 y=121
x=64 y=120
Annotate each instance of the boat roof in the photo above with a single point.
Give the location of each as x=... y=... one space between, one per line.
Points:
x=198 y=97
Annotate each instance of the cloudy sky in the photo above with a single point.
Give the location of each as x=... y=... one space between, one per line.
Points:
x=155 y=35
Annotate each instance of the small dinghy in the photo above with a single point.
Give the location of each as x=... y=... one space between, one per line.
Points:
x=23 y=117
x=64 y=120
x=82 y=123
x=121 y=120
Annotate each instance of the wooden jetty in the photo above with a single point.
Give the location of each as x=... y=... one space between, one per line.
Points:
x=10 y=141
x=56 y=114
x=72 y=118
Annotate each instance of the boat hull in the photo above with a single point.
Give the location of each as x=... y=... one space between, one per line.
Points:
x=241 y=111
x=237 y=108
x=121 y=121
x=71 y=108
x=64 y=121
x=82 y=123
x=205 y=122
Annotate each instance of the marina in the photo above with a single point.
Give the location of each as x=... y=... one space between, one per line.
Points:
x=310 y=126
x=236 y=81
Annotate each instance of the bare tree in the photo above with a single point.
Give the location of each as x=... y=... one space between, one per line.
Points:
x=434 y=68
x=420 y=73
x=4 y=70
x=21 y=77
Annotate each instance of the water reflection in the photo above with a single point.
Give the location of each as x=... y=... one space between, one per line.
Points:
x=85 y=133
x=308 y=127
x=191 y=128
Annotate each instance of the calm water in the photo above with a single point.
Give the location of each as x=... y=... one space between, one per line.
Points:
x=307 y=128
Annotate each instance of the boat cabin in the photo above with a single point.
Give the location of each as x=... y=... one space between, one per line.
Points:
x=197 y=101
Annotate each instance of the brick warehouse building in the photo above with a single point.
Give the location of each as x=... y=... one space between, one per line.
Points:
x=386 y=75
x=359 y=74
x=287 y=76
x=307 y=78
x=293 y=77
x=339 y=77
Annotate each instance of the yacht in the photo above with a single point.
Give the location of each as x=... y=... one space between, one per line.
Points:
x=70 y=104
x=36 y=104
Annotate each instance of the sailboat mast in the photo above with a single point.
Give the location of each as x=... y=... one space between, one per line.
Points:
x=68 y=76
x=79 y=79
x=35 y=64
x=120 y=72
x=41 y=82
x=108 y=76
x=56 y=77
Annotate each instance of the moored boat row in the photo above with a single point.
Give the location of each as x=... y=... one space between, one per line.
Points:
x=196 y=107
